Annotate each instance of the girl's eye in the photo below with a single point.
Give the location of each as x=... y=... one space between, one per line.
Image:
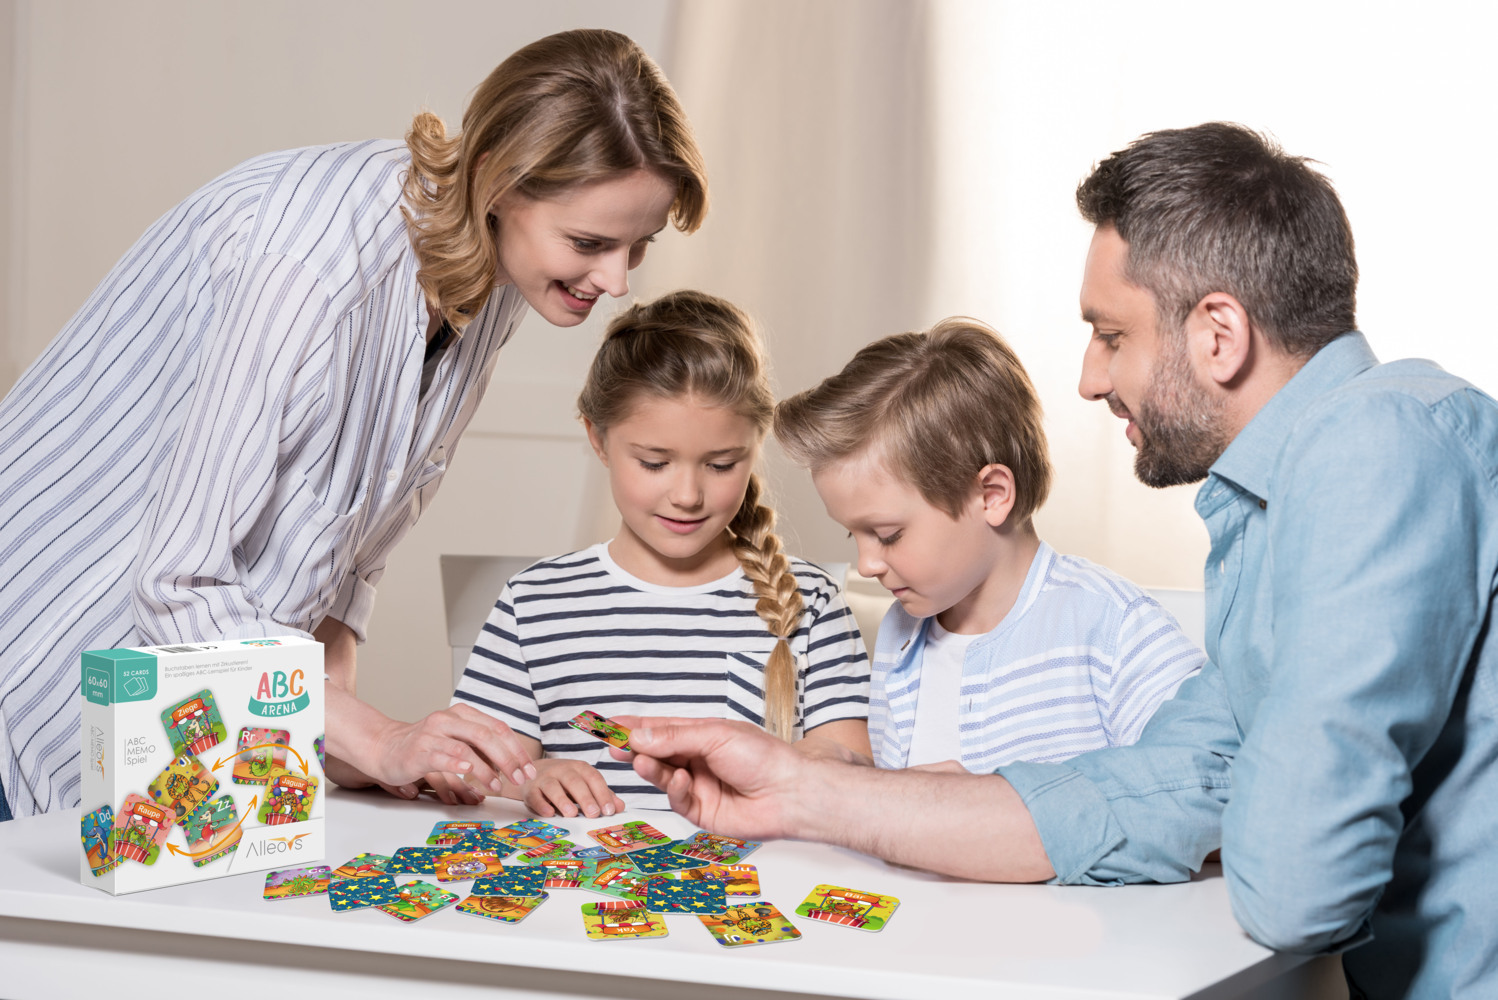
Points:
x=652 y=466
x=722 y=467
x=892 y=539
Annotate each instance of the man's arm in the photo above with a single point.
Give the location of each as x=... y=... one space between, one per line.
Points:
x=733 y=778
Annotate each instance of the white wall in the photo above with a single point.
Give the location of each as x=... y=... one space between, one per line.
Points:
x=1395 y=101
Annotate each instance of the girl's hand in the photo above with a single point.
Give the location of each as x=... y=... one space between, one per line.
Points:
x=567 y=787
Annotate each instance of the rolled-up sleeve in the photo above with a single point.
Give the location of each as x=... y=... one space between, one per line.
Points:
x=1149 y=812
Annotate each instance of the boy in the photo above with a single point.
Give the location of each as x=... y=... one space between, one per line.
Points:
x=928 y=448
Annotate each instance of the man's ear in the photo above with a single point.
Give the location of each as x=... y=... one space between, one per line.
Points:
x=595 y=438
x=1219 y=336
x=997 y=485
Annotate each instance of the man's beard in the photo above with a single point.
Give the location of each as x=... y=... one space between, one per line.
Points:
x=1179 y=424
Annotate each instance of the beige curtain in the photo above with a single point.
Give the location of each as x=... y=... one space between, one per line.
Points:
x=815 y=121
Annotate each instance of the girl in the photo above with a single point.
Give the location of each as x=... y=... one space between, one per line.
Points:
x=258 y=402
x=693 y=609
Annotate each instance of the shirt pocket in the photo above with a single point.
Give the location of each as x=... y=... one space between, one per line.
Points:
x=744 y=686
x=299 y=549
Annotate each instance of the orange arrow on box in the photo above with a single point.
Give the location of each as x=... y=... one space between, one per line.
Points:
x=261 y=746
x=248 y=811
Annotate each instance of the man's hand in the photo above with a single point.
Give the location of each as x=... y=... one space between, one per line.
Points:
x=567 y=787
x=731 y=778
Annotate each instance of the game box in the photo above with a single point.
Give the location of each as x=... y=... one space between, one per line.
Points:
x=199 y=760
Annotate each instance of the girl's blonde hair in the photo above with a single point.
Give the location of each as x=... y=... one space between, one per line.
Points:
x=690 y=343
x=574 y=107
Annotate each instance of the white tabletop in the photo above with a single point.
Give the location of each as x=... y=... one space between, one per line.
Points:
x=948 y=938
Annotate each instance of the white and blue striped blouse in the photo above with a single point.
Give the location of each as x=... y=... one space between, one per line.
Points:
x=227 y=439
x=1080 y=662
x=576 y=632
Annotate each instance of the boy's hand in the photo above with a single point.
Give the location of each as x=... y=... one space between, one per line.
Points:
x=567 y=787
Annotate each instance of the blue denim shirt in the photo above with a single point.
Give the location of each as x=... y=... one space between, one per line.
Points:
x=1342 y=741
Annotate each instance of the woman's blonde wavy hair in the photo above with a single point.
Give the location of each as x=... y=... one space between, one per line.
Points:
x=691 y=343
x=574 y=107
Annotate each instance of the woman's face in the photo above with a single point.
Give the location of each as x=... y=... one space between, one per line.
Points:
x=561 y=253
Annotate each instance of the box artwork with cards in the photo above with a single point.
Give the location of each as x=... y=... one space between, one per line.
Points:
x=200 y=760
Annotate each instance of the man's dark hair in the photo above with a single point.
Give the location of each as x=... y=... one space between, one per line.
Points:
x=1220 y=208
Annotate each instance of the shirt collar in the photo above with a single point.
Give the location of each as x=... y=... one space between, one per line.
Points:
x=1251 y=455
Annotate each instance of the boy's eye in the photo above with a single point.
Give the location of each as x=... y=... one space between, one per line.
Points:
x=892 y=539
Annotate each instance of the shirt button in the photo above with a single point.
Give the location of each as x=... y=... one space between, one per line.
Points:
x=392 y=476
x=1263 y=504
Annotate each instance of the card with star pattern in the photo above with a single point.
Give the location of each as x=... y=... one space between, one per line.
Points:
x=618 y=878
x=415 y=861
x=664 y=895
x=517 y=881
x=654 y=860
x=353 y=894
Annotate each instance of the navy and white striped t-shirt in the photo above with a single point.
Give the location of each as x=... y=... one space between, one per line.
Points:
x=576 y=632
x=228 y=438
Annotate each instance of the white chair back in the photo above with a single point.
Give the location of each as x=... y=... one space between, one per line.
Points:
x=470 y=586
x=1189 y=608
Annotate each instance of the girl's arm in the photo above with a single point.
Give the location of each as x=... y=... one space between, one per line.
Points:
x=845 y=740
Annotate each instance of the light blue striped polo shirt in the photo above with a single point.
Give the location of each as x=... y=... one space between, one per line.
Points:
x=1080 y=662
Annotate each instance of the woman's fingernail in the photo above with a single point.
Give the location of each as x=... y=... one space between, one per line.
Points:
x=497 y=786
x=518 y=777
x=530 y=770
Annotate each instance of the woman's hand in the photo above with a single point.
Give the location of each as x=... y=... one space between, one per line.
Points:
x=567 y=787
x=458 y=740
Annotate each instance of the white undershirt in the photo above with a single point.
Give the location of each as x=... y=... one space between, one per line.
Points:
x=935 y=737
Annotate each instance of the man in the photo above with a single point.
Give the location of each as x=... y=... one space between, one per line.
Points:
x=1340 y=744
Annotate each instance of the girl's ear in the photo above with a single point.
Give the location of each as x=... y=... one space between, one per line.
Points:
x=595 y=438
x=997 y=485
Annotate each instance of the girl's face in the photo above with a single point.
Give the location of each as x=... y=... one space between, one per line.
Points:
x=562 y=253
x=678 y=469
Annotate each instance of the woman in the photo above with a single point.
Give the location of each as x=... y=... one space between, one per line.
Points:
x=262 y=397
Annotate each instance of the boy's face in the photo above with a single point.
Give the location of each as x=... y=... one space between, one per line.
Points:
x=933 y=563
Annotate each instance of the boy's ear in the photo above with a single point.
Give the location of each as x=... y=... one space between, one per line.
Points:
x=997 y=485
x=595 y=438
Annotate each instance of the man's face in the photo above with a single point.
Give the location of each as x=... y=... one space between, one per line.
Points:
x=1144 y=374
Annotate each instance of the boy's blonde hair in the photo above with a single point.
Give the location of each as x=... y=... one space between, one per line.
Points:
x=691 y=343
x=571 y=108
x=935 y=407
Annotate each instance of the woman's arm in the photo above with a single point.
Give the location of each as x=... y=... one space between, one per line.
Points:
x=365 y=746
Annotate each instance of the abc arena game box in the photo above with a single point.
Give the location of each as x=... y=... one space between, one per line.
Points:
x=199 y=760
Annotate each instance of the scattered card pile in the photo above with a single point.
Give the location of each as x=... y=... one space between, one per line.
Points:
x=646 y=874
